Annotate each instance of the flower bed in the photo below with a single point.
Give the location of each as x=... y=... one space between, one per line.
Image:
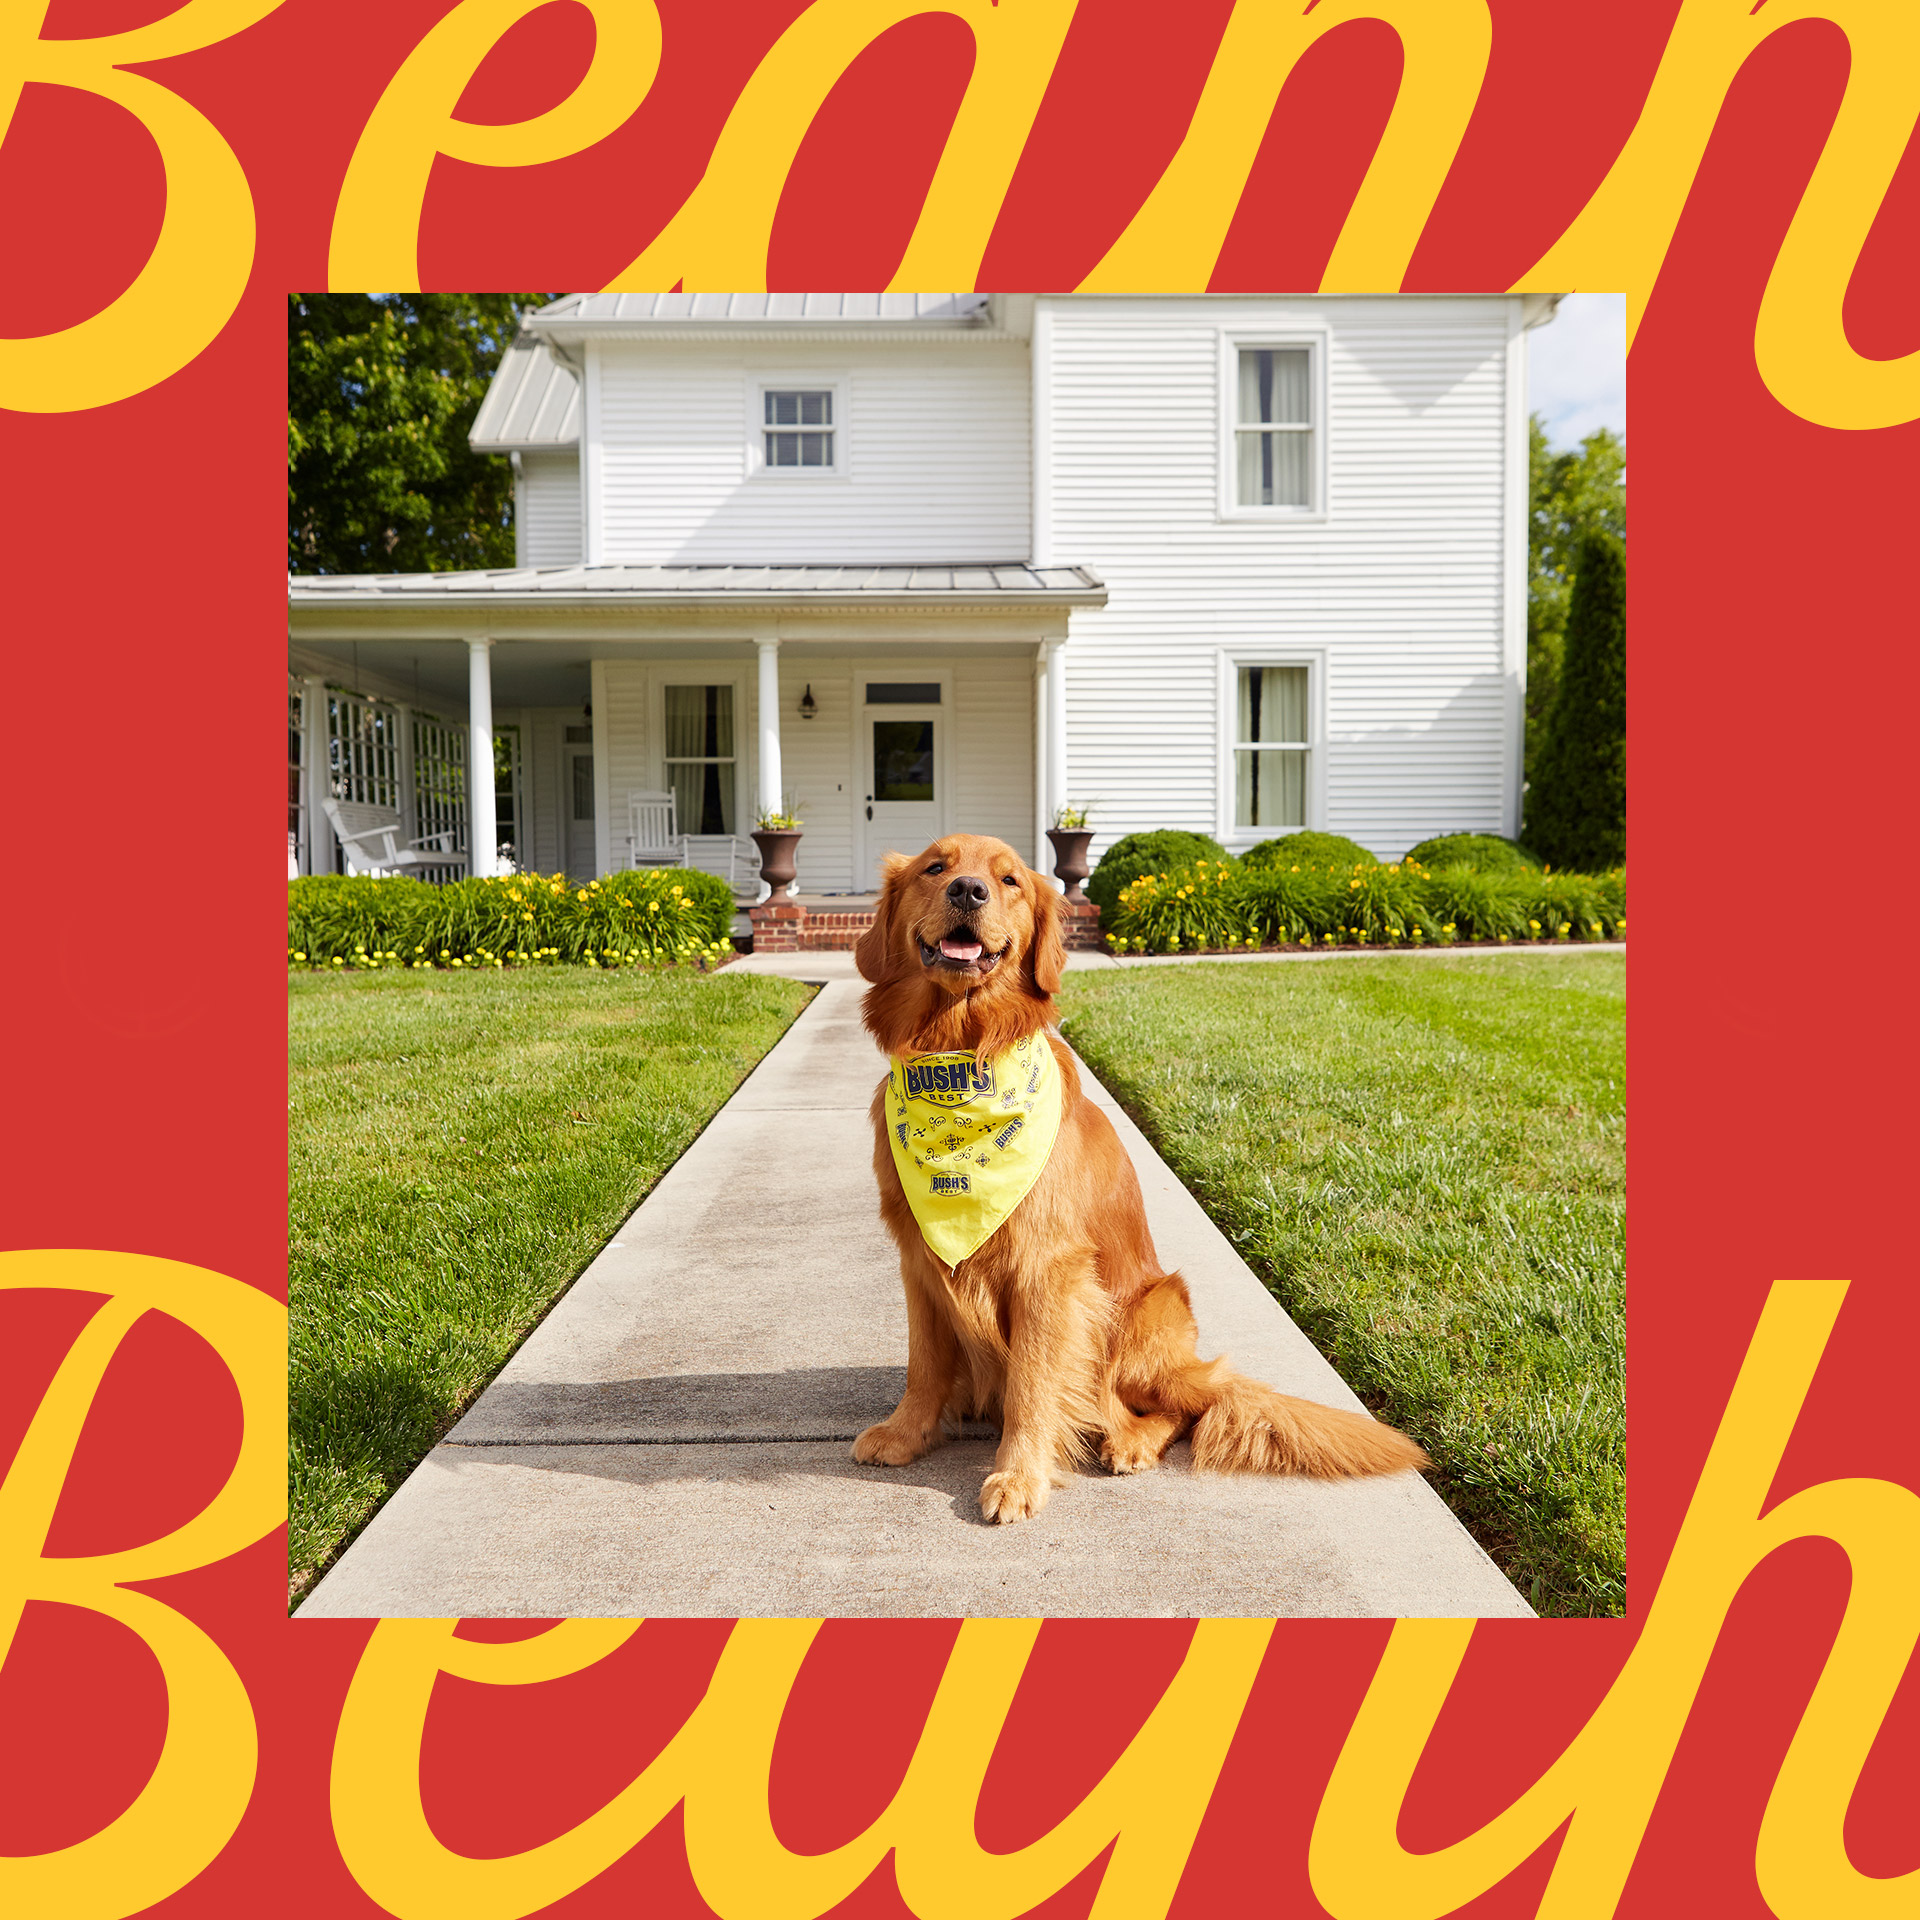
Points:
x=656 y=917
x=1217 y=906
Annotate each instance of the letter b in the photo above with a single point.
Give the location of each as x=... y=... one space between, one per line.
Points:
x=193 y=1801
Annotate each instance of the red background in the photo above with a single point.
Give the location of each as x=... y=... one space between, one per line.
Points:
x=1771 y=1053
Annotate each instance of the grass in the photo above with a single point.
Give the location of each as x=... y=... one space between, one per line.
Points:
x=1424 y=1161
x=460 y=1146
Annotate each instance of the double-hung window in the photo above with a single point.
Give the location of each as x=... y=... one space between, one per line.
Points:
x=1273 y=433
x=701 y=757
x=1272 y=739
x=798 y=427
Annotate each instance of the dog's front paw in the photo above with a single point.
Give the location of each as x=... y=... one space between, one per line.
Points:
x=1014 y=1495
x=886 y=1446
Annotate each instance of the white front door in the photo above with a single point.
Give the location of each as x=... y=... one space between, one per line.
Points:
x=903 y=774
x=576 y=804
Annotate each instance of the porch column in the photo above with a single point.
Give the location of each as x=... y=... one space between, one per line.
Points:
x=770 y=787
x=318 y=852
x=1058 y=792
x=482 y=833
x=1042 y=819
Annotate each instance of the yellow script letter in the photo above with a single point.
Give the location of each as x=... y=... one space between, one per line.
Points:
x=1172 y=243
x=1603 y=1787
x=720 y=236
x=198 y=269
x=1148 y=1806
x=376 y=222
x=1622 y=234
x=197 y=1792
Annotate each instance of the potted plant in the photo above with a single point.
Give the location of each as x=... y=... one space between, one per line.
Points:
x=1070 y=836
x=777 y=834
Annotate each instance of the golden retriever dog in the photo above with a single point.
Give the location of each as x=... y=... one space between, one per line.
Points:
x=1062 y=1326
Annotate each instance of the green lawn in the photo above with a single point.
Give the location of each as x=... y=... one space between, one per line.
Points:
x=1424 y=1161
x=459 y=1147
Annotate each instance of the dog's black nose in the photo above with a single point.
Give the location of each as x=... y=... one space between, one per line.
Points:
x=967 y=892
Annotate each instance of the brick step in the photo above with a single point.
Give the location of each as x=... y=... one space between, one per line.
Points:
x=792 y=926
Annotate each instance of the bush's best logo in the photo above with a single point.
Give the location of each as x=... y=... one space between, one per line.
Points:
x=948 y=1079
x=951 y=1183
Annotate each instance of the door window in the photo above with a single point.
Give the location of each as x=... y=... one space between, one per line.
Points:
x=902 y=760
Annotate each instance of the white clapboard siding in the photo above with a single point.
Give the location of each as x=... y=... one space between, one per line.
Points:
x=993 y=758
x=540 y=787
x=934 y=440
x=624 y=730
x=1399 y=591
x=546 y=529
x=816 y=767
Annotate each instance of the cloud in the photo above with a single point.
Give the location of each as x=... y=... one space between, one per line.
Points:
x=1577 y=368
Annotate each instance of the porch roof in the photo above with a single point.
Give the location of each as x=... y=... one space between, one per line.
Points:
x=909 y=309
x=532 y=402
x=1007 y=584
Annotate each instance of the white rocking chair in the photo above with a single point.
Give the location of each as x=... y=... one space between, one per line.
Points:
x=651 y=839
x=369 y=836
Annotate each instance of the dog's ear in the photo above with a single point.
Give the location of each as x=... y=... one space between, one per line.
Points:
x=873 y=954
x=1048 y=953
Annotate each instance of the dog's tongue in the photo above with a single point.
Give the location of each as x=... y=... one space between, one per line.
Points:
x=958 y=947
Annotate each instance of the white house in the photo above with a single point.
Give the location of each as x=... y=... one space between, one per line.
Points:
x=928 y=562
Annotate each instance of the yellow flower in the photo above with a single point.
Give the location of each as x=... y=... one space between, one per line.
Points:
x=581 y=895
x=1351 y=884
x=653 y=906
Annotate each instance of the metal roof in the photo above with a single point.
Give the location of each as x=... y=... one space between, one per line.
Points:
x=532 y=402
x=1005 y=582
x=913 y=309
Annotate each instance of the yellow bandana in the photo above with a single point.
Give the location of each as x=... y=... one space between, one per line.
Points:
x=969 y=1142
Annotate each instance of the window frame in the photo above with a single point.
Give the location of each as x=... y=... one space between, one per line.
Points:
x=698 y=673
x=1235 y=838
x=759 y=385
x=1233 y=342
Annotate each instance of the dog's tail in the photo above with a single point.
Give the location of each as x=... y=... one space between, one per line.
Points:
x=1249 y=1428
x=1240 y=1425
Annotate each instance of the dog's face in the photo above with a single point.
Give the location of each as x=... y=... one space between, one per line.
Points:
x=965 y=912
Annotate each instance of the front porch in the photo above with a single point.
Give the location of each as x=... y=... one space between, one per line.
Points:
x=886 y=706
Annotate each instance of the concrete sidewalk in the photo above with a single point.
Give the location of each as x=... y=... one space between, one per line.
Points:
x=673 y=1438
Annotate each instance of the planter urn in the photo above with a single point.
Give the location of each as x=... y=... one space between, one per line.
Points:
x=1070 y=859
x=776 y=846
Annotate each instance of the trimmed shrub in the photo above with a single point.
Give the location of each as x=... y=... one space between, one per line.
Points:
x=1576 y=814
x=1136 y=853
x=652 y=918
x=1307 y=849
x=1209 y=906
x=1484 y=852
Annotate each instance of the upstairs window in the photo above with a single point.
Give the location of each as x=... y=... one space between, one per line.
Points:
x=799 y=427
x=1273 y=428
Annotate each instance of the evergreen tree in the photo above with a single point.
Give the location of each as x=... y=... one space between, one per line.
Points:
x=1569 y=496
x=1577 y=805
x=381 y=391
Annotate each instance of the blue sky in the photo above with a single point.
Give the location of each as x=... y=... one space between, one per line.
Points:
x=1577 y=368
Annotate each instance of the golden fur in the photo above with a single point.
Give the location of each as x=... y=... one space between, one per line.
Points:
x=1062 y=1327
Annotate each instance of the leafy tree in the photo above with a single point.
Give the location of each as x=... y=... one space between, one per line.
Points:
x=381 y=390
x=1570 y=495
x=1577 y=805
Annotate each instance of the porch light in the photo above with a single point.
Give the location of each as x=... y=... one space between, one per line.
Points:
x=808 y=705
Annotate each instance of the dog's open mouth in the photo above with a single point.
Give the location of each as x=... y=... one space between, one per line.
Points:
x=961 y=951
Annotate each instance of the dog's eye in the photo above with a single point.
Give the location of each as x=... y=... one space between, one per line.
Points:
x=1008 y=880
x=939 y=866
